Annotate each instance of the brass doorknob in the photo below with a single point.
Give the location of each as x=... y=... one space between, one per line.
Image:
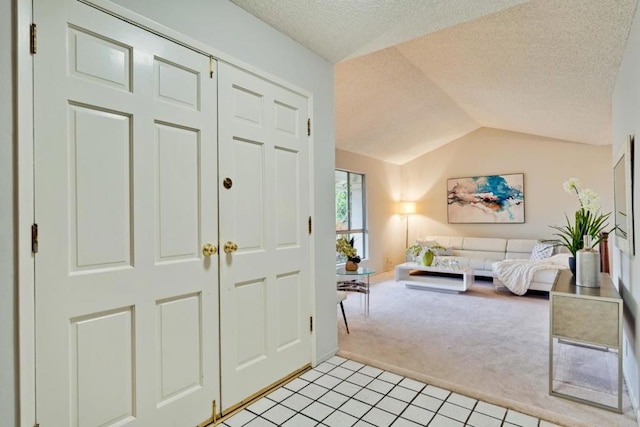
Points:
x=230 y=247
x=208 y=249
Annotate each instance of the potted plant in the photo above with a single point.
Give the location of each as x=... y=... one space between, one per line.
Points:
x=588 y=221
x=346 y=249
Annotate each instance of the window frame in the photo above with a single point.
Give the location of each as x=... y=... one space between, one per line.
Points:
x=349 y=231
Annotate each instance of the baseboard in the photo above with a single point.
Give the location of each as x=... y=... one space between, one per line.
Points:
x=632 y=398
x=325 y=357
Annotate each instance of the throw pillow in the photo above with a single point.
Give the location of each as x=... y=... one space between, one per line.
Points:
x=541 y=250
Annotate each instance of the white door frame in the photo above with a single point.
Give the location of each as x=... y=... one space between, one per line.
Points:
x=26 y=280
x=23 y=81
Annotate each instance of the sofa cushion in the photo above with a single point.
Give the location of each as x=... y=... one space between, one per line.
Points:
x=481 y=263
x=520 y=248
x=484 y=244
x=494 y=256
x=462 y=261
x=521 y=245
x=481 y=266
x=475 y=263
x=545 y=276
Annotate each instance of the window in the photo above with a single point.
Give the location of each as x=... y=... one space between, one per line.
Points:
x=351 y=211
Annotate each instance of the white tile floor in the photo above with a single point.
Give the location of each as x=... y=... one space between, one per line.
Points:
x=344 y=393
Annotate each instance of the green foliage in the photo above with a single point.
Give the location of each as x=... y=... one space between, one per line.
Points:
x=414 y=250
x=588 y=220
x=342 y=206
x=586 y=223
x=345 y=247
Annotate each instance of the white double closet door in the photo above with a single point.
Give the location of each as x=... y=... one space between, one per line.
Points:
x=265 y=284
x=135 y=324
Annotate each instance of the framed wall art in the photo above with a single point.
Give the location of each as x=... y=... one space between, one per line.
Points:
x=623 y=197
x=486 y=199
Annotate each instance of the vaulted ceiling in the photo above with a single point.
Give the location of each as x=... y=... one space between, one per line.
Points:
x=411 y=76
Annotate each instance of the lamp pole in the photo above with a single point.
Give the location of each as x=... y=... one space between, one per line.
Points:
x=407 y=208
x=406 y=239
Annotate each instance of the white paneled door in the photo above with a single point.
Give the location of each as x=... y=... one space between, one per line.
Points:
x=126 y=199
x=264 y=211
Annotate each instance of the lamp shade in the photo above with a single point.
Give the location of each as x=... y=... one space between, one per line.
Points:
x=407 y=208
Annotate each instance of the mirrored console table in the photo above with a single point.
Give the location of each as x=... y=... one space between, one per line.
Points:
x=585 y=342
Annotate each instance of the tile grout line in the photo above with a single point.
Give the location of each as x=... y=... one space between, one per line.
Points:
x=350 y=369
x=418 y=392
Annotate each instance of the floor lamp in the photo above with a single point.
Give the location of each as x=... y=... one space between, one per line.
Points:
x=407 y=208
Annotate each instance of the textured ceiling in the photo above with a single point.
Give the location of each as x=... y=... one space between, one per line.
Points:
x=414 y=75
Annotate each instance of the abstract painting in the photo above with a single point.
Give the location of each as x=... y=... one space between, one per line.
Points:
x=486 y=199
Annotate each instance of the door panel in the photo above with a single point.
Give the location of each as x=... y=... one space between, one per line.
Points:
x=102 y=396
x=287 y=198
x=179 y=357
x=251 y=341
x=287 y=303
x=99 y=59
x=265 y=286
x=99 y=188
x=178 y=189
x=248 y=159
x=125 y=196
x=176 y=84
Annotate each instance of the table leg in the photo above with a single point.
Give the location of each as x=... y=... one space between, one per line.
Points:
x=366 y=314
x=361 y=287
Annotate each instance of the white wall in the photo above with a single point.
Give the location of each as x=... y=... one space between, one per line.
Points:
x=546 y=164
x=383 y=191
x=229 y=29
x=626 y=121
x=8 y=311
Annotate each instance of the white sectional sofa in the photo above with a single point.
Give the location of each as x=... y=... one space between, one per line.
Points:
x=481 y=252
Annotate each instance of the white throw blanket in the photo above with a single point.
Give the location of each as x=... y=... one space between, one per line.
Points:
x=516 y=274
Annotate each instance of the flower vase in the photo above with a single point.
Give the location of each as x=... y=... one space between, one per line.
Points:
x=572 y=265
x=351 y=266
x=588 y=268
x=427 y=258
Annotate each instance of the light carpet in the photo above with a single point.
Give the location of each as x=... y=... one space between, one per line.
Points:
x=487 y=344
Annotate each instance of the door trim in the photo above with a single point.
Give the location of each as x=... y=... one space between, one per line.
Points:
x=276 y=384
x=24 y=187
x=163 y=31
x=24 y=205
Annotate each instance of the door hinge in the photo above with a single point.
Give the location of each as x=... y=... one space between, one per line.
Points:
x=34 y=238
x=310 y=323
x=211 y=67
x=212 y=419
x=33 y=45
x=36 y=425
x=308 y=127
x=310 y=225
